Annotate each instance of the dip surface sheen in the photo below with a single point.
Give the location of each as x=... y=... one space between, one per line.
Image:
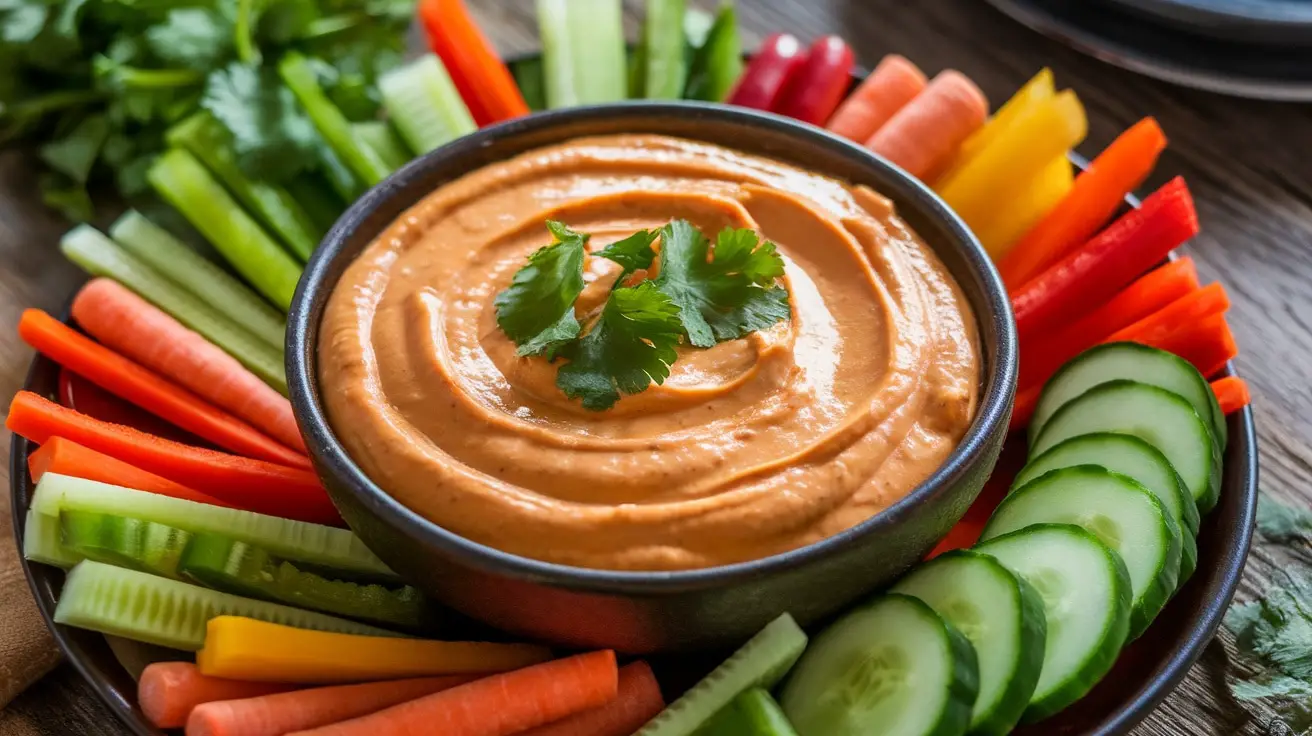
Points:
x=750 y=448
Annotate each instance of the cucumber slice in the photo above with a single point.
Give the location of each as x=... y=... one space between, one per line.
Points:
x=218 y=562
x=754 y=713
x=1157 y=416
x=1127 y=517
x=1086 y=602
x=144 y=607
x=41 y=541
x=424 y=105
x=124 y=542
x=761 y=662
x=665 y=66
x=1001 y=615
x=583 y=54
x=1128 y=455
x=326 y=547
x=891 y=667
x=1134 y=362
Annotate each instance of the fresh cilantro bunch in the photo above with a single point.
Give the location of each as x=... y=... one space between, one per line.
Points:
x=93 y=85
x=700 y=294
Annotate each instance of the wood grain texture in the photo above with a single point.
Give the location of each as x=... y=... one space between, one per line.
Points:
x=1248 y=163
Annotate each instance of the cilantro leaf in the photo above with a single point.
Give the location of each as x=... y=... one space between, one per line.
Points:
x=634 y=253
x=722 y=295
x=192 y=38
x=75 y=154
x=537 y=310
x=273 y=138
x=631 y=346
x=23 y=23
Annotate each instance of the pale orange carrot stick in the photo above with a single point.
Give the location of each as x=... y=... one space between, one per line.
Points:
x=133 y=327
x=889 y=88
x=168 y=691
x=925 y=134
x=66 y=457
x=639 y=701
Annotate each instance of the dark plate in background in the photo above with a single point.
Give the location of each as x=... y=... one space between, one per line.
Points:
x=1283 y=22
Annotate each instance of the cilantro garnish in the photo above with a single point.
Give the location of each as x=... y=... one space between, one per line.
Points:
x=701 y=294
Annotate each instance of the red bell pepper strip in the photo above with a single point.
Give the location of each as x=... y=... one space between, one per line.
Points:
x=1108 y=262
x=780 y=57
x=814 y=92
x=482 y=79
x=1231 y=393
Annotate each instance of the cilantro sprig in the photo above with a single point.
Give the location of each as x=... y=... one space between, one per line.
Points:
x=700 y=294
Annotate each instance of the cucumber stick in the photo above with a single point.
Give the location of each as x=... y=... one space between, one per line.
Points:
x=892 y=667
x=42 y=541
x=123 y=542
x=100 y=256
x=1002 y=617
x=198 y=275
x=206 y=139
x=529 y=78
x=663 y=41
x=717 y=64
x=156 y=610
x=362 y=160
x=583 y=52
x=1086 y=602
x=424 y=105
x=333 y=549
x=761 y=662
x=379 y=136
x=184 y=183
x=754 y=713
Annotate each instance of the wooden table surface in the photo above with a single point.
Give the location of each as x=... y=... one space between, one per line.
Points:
x=1249 y=165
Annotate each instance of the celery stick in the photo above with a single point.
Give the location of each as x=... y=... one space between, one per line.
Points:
x=663 y=36
x=424 y=104
x=379 y=136
x=206 y=139
x=339 y=175
x=318 y=198
x=718 y=62
x=330 y=122
x=181 y=180
x=190 y=270
x=528 y=75
x=582 y=51
x=100 y=256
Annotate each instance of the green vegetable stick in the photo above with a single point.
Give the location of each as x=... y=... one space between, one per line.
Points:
x=184 y=183
x=582 y=51
x=528 y=75
x=718 y=62
x=206 y=139
x=379 y=136
x=424 y=105
x=663 y=46
x=193 y=272
x=100 y=256
x=330 y=122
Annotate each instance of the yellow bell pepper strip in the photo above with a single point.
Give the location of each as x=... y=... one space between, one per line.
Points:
x=1009 y=224
x=1036 y=90
x=997 y=177
x=239 y=648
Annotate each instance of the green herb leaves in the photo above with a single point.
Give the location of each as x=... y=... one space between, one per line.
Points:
x=701 y=294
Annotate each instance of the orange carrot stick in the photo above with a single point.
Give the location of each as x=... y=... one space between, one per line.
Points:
x=277 y=714
x=254 y=485
x=889 y=88
x=476 y=69
x=924 y=135
x=496 y=706
x=1043 y=354
x=1098 y=193
x=1208 y=344
x=129 y=381
x=133 y=327
x=639 y=701
x=1231 y=392
x=168 y=691
x=66 y=457
x=1154 y=329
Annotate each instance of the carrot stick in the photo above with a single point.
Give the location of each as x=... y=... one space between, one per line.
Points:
x=638 y=701
x=1098 y=192
x=129 y=381
x=66 y=457
x=1231 y=392
x=482 y=79
x=277 y=714
x=167 y=691
x=1042 y=355
x=254 y=485
x=134 y=328
x=496 y=706
x=1189 y=309
x=924 y=135
x=1208 y=344
x=889 y=88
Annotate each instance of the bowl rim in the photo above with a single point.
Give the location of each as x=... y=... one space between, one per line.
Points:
x=992 y=313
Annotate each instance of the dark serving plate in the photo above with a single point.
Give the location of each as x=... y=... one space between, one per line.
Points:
x=1146 y=672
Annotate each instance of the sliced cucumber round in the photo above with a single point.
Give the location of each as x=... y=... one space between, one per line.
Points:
x=1127 y=517
x=1001 y=615
x=1157 y=416
x=891 y=667
x=1086 y=603
x=1128 y=455
x=1135 y=362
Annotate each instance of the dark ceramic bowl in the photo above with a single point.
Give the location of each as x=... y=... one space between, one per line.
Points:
x=657 y=611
